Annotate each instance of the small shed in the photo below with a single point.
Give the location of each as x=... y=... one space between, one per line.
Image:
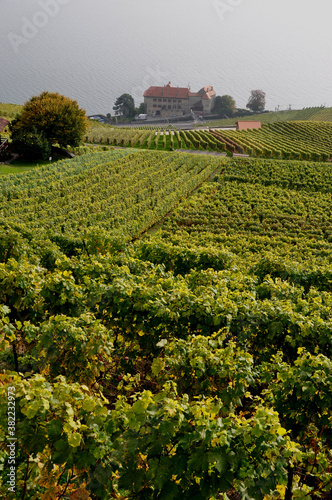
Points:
x=3 y=123
x=3 y=142
x=248 y=125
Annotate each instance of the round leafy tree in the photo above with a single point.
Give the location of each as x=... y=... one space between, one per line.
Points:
x=224 y=105
x=57 y=117
x=256 y=101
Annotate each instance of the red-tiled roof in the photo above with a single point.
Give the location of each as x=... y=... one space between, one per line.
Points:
x=167 y=91
x=181 y=92
x=3 y=123
x=207 y=91
x=206 y=96
x=244 y=125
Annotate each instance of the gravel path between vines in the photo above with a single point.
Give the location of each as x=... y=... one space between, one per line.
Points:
x=197 y=152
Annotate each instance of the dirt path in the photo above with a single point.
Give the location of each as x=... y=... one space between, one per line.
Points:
x=198 y=152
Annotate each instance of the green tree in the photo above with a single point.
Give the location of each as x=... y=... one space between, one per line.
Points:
x=256 y=100
x=57 y=117
x=141 y=109
x=224 y=106
x=125 y=106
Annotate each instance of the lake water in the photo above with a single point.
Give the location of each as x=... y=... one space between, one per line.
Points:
x=95 y=50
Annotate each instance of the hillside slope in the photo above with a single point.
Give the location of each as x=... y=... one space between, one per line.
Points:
x=193 y=361
x=121 y=192
x=318 y=113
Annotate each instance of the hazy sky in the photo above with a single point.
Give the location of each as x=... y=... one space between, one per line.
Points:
x=95 y=50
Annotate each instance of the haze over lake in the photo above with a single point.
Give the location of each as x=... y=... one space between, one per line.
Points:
x=95 y=50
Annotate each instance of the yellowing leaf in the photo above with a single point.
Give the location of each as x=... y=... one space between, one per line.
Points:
x=74 y=439
x=88 y=404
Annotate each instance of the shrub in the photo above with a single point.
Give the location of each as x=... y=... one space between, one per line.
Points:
x=31 y=145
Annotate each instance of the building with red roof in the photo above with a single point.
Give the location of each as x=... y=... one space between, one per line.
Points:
x=177 y=101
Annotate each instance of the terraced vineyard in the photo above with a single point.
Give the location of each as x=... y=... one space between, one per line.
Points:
x=161 y=139
x=9 y=111
x=118 y=192
x=300 y=140
x=166 y=328
x=318 y=113
x=260 y=207
x=289 y=140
